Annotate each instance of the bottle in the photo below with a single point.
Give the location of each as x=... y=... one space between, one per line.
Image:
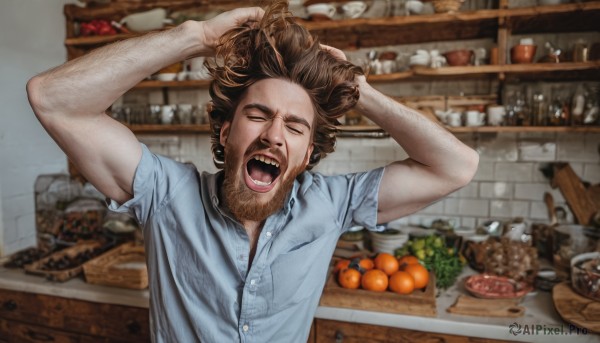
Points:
x=521 y=109
x=578 y=105
x=539 y=111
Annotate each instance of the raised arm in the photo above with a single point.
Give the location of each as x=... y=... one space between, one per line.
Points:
x=70 y=101
x=438 y=162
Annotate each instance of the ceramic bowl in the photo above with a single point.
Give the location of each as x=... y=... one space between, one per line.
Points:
x=166 y=76
x=522 y=53
x=459 y=57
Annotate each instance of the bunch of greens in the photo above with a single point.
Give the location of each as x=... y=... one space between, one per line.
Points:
x=432 y=252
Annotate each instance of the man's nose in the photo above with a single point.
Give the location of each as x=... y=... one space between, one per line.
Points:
x=273 y=133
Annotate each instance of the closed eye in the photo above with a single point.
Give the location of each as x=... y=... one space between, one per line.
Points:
x=257 y=118
x=294 y=129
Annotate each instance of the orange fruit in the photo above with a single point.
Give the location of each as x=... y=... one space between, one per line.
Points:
x=374 y=280
x=402 y=282
x=387 y=263
x=419 y=273
x=341 y=264
x=406 y=260
x=366 y=264
x=349 y=278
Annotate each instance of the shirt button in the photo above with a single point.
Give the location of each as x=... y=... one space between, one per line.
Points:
x=269 y=234
x=252 y=282
x=245 y=327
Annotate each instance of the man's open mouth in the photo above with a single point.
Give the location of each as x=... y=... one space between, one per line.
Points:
x=263 y=170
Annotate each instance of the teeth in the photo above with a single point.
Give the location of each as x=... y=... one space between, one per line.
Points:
x=260 y=183
x=266 y=160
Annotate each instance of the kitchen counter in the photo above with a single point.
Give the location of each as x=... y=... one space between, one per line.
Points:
x=539 y=310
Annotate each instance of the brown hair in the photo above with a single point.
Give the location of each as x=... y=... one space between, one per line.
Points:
x=278 y=47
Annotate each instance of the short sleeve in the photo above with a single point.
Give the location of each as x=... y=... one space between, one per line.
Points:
x=155 y=179
x=354 y=197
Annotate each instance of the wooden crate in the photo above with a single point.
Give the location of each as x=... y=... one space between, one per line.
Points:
x=123 y=266
x=418 y=303
x=62 y=275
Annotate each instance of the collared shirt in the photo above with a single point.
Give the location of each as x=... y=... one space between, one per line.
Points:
x=202 y=287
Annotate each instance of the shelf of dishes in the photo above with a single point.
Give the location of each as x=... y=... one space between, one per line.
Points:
x=579 y=15
x=371 y=131
x=416 y=72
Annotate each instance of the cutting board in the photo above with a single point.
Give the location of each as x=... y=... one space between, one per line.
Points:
x=470 y=306
x=576 y=309
x=418 y=303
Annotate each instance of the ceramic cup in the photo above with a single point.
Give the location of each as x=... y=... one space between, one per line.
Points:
x=167 y=112
x=454 y=119
x=354 y=9
x=321 y=9
x=474 y=118
x=495 y=115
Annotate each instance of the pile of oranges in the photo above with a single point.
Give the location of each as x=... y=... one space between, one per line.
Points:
x=384 y=272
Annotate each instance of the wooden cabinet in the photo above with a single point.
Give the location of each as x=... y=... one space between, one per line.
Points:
x=499 y=23
x=327 y=331
x=28 y=317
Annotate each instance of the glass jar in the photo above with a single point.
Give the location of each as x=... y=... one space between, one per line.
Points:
x=539 y=110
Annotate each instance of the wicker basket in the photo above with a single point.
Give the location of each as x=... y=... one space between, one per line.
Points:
x=39 y=267
x=123 y=266
x=447 y=6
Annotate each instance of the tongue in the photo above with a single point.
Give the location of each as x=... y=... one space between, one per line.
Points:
x=259 y=172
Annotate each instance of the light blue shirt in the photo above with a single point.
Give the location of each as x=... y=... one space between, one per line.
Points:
x=201 y=287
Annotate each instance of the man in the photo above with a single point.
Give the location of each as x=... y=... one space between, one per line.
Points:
x=242 y=255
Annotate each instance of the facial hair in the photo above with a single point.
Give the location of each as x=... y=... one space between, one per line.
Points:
x=241 y=201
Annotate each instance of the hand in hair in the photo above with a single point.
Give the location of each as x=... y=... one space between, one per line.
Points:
x=214 y=28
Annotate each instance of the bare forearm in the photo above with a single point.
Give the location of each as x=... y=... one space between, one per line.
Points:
x=91 y=83
x=424 y=141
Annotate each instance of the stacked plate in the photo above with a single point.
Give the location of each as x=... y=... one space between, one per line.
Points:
x=387 y=241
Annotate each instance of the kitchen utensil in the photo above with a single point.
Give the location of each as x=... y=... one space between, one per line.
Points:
x=575 y=308
x=474 y=118
x=354 y=9
x=321 y=11
x=496 y=287
x=549 y=201
x=585 y=274
x=574 y=192
x=459 y=57
x=447 y=6
x=146 y=21
x=522 y=53
x=469 y=306
x=569 y=241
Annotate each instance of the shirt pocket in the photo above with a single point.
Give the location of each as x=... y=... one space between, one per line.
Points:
x=300 y=273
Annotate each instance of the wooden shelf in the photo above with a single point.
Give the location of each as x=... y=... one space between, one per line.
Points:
x=517 y=129
x=370 y=32
x=530 y=68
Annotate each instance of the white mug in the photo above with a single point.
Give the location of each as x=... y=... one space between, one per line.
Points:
x=496 y=115
x=475 y=118
x=323 y=9
x=167 y=112
x=454 y=119
x=196 y=63
x=354 y=9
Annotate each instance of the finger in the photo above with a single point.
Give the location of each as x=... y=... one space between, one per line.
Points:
x=244 y=15
x=334 y=51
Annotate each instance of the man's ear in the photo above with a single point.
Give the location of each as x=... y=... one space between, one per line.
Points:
x=224 y=132
x=308 y=154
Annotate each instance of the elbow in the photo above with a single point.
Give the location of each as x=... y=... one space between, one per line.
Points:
x=34 y=95
x=469 y=169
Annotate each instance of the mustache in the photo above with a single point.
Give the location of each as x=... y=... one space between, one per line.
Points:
x=258 y=145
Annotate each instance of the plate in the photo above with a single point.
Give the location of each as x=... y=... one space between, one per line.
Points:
x=496 y=287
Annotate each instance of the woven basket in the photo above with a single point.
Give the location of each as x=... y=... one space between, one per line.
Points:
x=123 y=266
x=446 y=6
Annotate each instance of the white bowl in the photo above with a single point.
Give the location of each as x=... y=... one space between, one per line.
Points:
x=166 y=76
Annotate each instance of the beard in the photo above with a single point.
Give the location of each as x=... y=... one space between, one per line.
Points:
x=241 y=201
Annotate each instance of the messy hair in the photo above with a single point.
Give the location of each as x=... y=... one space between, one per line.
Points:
x=278 y=47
